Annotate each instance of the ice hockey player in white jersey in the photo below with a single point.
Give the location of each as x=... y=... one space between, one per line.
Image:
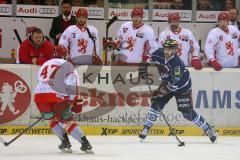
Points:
x=76 y=41
x=57 y=98
x=135 y=39
x=222 y=43
x=188 y=47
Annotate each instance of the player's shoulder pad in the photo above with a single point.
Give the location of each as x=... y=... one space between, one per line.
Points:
x=149 y=28
x=92 y=28
x=158 y=55
x=71 y=28
x=127 y=24
x=187 y=30
x=233 y=28
x=214 y=32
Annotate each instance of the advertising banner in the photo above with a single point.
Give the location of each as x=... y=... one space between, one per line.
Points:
x=93 y=12
x=5 y=9
x=207 y=16
x=124 y=14
x=116 y=96
x=161 y=14
x=37 y=11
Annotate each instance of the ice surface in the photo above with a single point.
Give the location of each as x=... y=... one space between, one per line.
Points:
x=123 y=148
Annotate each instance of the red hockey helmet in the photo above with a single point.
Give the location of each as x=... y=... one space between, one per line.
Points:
x=174 y=16
x=82 y=12
x=223 y=16
x=137 y=12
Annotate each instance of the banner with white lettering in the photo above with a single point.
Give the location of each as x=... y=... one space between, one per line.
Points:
x=5 y=9
x=207 y=16
x=95 y=13
x=124 y=14
x=162 y=14
x=115 y=96
x=37 y=11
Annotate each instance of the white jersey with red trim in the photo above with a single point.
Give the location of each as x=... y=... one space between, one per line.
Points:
x=223 y=46
x=187 y=48
x=138 y=42
x=57 y=76
x=78 y=43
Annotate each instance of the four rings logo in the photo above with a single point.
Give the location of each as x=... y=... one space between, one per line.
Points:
x=91 y=13
x=95 y=13
x=5 y=9
x=47 y=11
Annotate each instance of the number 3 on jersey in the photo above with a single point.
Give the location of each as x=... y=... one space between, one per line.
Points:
x=49 y=72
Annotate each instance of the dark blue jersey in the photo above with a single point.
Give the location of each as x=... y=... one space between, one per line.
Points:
x=177 y=77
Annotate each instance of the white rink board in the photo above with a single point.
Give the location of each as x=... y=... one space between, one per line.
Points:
x=210 y=89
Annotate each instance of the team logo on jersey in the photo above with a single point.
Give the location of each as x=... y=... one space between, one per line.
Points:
x=177 y=71
x=125 y=30
x=139 y=34
x=184 y=38
x=221 y=38
x=82 y=45
x=229 y=47
x=15 y=96
x=131 y=43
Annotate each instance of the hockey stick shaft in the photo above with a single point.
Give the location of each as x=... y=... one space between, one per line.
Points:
x=17 y=35
x=19 y=135
x=109 y=23
x=94 y=44
x=165 y=119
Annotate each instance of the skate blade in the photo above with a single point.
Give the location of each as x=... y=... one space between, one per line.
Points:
x=89 y=152
x=67 y=150
x=216 y=141
x=141 y=140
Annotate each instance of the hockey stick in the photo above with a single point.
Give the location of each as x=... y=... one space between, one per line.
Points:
x=17 y=35
x=109 y=23
x=25 y=130
x=180 y=143
x=94 y=44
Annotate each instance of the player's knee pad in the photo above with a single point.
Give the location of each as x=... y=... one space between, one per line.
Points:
x=69 y=126
x=153 y=114
x=151 y=117
x=157 y=104
x=53 y=123
x=63 y=111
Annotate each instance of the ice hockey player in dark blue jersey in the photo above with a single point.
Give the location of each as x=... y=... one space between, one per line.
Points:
x=176 y=82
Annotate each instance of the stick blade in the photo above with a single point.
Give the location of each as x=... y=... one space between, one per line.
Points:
x=3 y=142
x=181 y=144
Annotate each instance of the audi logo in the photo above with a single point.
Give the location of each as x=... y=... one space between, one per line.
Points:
x=95 y=13
x=5 y=9
x=47 y=11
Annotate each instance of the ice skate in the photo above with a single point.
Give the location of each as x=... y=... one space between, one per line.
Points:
x=86 y=146
x=65 y=146
x=212 y=134
x=144 y=133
